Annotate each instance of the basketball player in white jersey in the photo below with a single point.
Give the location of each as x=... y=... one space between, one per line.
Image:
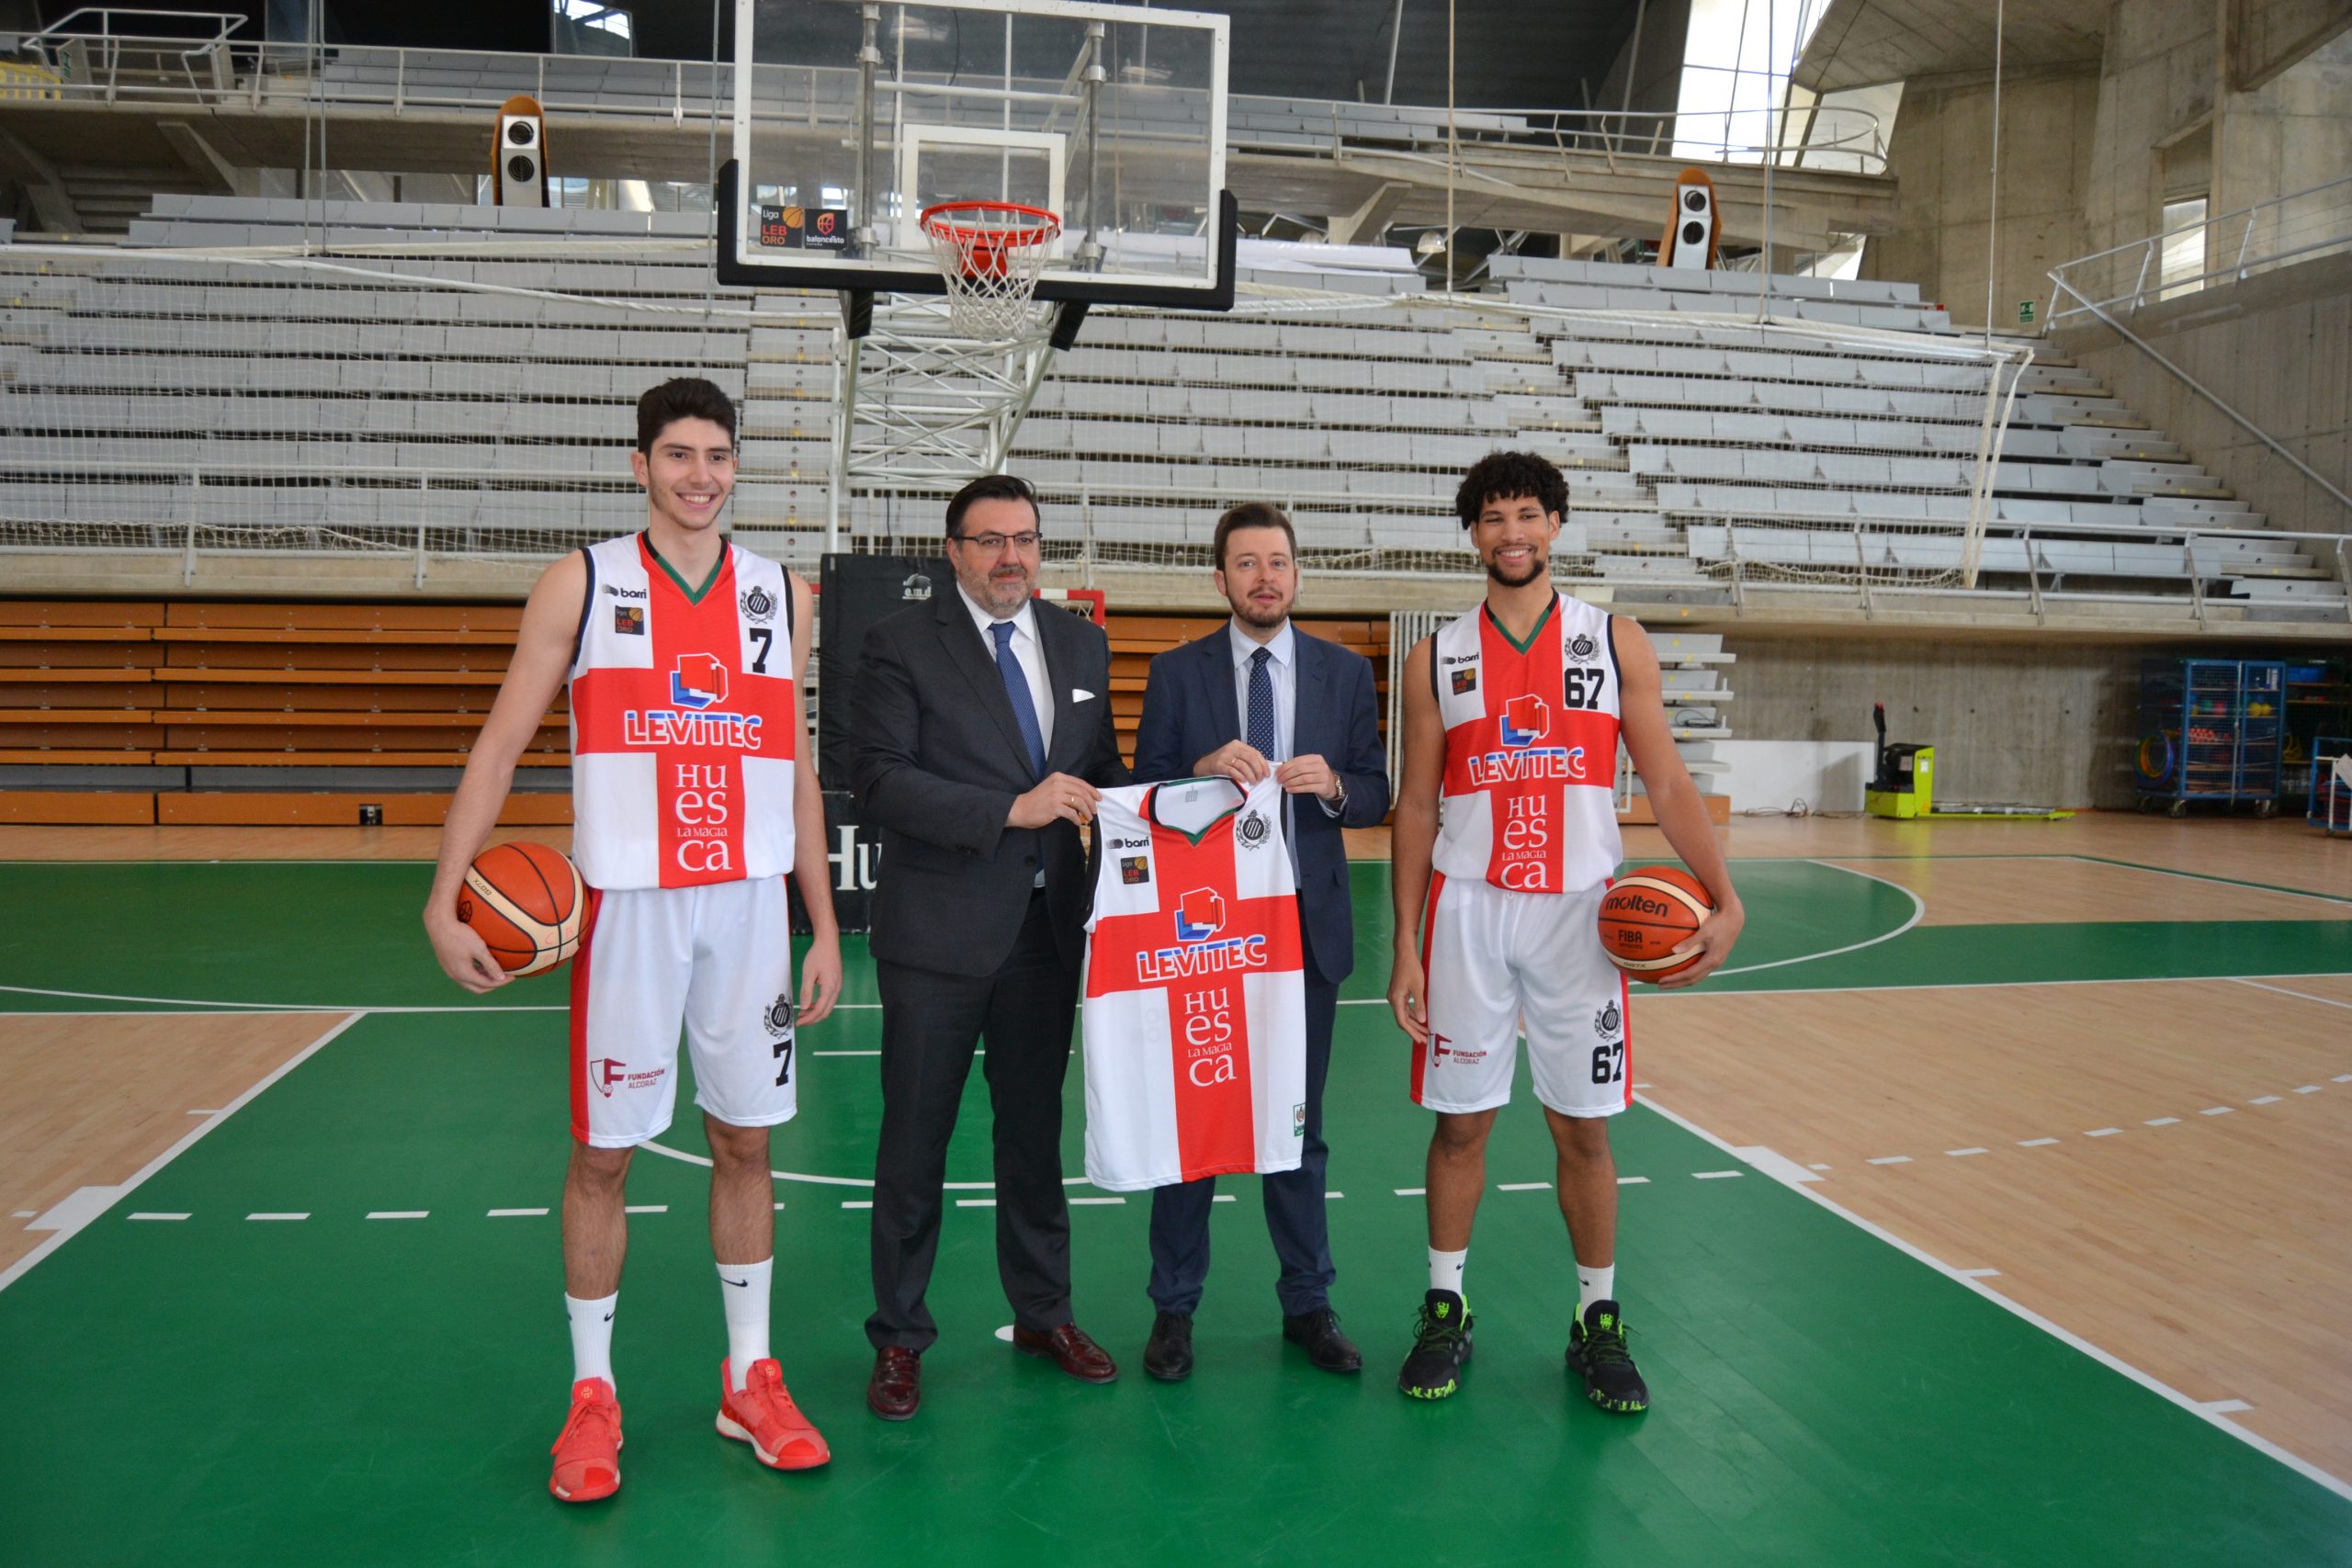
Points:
x=1512 y=716
x=693 y=796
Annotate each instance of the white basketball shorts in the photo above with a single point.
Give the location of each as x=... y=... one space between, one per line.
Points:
x=1499 y=961
x=717 y=959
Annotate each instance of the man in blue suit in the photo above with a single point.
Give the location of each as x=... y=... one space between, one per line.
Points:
x=1256 y=696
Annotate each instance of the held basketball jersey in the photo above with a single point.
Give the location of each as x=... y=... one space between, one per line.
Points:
x=1531 y=750
x=684 y=722
x=1196 y=1009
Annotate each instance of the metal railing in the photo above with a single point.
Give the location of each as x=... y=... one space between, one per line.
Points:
x=2233 y=247
x=220 y=69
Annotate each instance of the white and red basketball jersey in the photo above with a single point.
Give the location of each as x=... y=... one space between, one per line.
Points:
x=684 y=722
x=1195 y=1010
x=1531 y=750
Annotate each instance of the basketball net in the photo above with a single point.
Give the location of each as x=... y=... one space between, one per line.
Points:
x=991 y=254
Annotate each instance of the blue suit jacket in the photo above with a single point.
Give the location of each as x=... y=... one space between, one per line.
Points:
x=1189 y=710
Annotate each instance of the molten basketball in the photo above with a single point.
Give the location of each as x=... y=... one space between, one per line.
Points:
x=527 y=903
x=1646 y=914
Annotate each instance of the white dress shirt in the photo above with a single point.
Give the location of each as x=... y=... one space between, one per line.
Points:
x=1282 y=673
x=1027 y=651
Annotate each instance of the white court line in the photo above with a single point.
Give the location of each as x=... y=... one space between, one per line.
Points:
x=18 y=1270
x=2299 y=996
x=2035 y=1142
x=2216 y=1110
x=1962 y=1153
x=1523 y=1187
x=1979 y=1273
x=646 y=1208
x=1633 y=1181
x=2301 y=1466
x=1892 y=1159
x=2263 y=1100
x=976 y=1202
x=278 y=1216
x=2200 y=877
x=152 y=1214
x=1098 y=1199
x=2162 y=1122
x=1714 y=1175
x=1412 y=1191
x=1225 y=1197
x=515 y=1214
x=2102 y=1131
x=857 y=1202
x=397 y=1213
x=1918 y=913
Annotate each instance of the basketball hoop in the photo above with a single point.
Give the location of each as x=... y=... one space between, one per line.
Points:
x=991 y=252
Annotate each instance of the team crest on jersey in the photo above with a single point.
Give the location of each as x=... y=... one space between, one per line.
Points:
x=1581 y=648
x=698 y=681
x=628 y=620
x=1465 y=680
x=1607 y=1022
x=1525 y=718
x=1200 y=915
x=758 y=605
x=1298 y=1120
x=1252 y=831
x=779 y=1016
x=1135 y=870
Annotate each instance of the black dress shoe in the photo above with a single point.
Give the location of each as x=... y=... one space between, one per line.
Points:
x=1169 y=1354
x=895 y=1391
x=1317 y=1333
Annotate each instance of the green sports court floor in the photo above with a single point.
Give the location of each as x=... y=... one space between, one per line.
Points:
x=216 y=1389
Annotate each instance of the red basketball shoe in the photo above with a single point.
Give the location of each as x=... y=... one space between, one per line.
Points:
x=764 y=1415
x=588 y=1453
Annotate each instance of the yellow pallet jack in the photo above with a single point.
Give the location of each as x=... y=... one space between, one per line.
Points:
x=1904 y=788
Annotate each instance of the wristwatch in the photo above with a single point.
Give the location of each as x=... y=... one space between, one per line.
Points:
x=1339 y=801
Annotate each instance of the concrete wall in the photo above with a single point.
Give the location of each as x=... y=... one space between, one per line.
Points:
x=2040 y=723
x=1942 y=154
x=2278 y=349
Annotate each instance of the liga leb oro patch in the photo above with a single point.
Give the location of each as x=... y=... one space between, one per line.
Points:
x=1465 y=681
x=628 y=620
x=1135 y=870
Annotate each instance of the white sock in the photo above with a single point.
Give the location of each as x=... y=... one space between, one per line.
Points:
x=744 y=1289
x=592 y=1336
x=1445 y=1269
x=1594 y=1285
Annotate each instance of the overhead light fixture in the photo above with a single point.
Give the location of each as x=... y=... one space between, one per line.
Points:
x=1432 y=241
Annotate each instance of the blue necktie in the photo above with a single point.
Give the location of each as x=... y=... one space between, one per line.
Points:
x=1260 y=730
x=1016 y=687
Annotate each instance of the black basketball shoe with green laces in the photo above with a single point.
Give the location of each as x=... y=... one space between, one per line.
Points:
x=1597 y=1353
x=1441 y=1347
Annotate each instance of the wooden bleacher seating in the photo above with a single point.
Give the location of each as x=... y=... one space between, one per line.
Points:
x=205 y=684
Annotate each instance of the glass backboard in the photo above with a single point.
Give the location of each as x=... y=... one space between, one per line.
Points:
x=854 y=116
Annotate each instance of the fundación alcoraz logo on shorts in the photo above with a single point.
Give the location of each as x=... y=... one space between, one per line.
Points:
x=1608 y=1021
x=779 y=1016
x=607 y=1074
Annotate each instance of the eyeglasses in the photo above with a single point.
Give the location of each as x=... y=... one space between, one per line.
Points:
x=990 y=544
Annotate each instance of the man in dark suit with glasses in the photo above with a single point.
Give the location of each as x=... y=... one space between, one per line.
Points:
x=981 y=735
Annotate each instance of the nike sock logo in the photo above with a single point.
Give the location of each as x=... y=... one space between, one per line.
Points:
x=725 y=1281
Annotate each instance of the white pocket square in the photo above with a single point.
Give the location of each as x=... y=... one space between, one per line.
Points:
x=1080 y=695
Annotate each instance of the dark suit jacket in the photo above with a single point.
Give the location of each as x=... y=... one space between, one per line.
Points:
x=936 y=760
x=1190 y=710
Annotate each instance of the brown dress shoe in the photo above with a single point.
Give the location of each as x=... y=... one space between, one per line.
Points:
x=894 y=1390
x=1071 y=1350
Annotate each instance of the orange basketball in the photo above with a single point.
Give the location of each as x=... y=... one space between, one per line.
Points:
x=527 y=903
x=1646 y=914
